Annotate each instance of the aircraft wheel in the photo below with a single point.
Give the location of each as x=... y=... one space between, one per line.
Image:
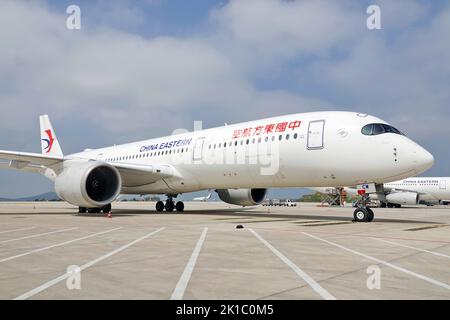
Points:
x=383 y=205
x=107 y=208
x=360 y=215
x=94 y=210
x=169 y=206
x=390 y=205
x=398 y=205
x=370 y=215
x=179 y=206
x=82 y=210
x=159 y=206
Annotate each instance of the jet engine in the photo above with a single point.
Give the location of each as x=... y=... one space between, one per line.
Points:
x=408 y=198
x=242 y=197
x=90 y=184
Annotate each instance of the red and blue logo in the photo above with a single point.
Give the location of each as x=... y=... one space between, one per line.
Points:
x=49 y=141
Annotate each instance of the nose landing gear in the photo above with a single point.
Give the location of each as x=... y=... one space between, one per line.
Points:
x=363 y=213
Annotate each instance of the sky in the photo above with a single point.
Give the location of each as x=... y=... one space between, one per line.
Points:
x=141 y=69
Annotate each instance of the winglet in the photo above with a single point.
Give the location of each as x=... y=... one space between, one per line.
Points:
x=49 y=143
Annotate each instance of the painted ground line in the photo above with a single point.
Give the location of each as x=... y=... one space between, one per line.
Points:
x=412 y=273
x=178 y=292
x=310 y=281
x=37 y=235
x=14 y=230
x=57 y=245
x=62 y=277
x=414 y=248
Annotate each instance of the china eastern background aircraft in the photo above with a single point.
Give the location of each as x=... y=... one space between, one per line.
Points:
x=239 y=161
x=411 y=191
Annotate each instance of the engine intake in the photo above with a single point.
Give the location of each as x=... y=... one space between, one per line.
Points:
x=242 y=197
x=90 y=184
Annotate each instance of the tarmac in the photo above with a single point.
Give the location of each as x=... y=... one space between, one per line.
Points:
x=49 y=251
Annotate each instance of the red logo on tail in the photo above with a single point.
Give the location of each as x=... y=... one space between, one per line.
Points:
x=49 y=141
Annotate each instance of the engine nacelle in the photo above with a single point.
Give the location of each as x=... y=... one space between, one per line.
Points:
x=90 y=184
x=242 y=197
x=408 y=198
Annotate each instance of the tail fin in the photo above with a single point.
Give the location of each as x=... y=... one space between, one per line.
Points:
x=49 y=142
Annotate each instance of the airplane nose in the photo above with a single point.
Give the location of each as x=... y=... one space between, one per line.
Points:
x=423 y=159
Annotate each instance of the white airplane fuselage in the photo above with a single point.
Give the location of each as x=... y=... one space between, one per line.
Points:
x=428 y=188
x=299 y=150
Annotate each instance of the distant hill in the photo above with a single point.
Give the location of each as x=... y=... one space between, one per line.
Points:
x=48 y=196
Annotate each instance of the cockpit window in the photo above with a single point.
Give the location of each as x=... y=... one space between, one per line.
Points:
x=374 y=129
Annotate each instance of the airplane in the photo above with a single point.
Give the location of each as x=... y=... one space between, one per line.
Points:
x=239 y=161
x=412 y=191
x=203 y=199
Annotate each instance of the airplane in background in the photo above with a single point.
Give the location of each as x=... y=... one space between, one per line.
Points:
x=203 y=199
x=412 y=191
x=239 y=161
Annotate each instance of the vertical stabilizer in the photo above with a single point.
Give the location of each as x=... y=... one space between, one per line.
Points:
x=49 y=143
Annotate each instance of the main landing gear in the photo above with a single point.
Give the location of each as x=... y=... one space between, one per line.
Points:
x=170 y=205
x=363 y=213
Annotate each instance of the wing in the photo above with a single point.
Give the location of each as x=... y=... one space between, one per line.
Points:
x=134 y=175
x=22 y=166
x=25 y=158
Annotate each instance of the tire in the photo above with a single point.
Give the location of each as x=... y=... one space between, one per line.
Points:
x=107 y=208
x=179 y=206
x=94 y=210
x=82 y=210
x=390 y=205
x=398 y=206
x=159 y=206
x=383 y=205
x=169 y=206
x=360 y=215
x=370 y=215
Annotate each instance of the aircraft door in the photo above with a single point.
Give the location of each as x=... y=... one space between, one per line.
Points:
x=316 y=135
x=198 y=148
x=443 y=184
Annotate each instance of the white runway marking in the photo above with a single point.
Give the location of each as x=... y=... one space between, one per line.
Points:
x=57 y=245
x=417 y=275
x=178 y=293
x=310 y=281
x=37 y=235
x=414 y=248
x=14 y=230
x=83 y=267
